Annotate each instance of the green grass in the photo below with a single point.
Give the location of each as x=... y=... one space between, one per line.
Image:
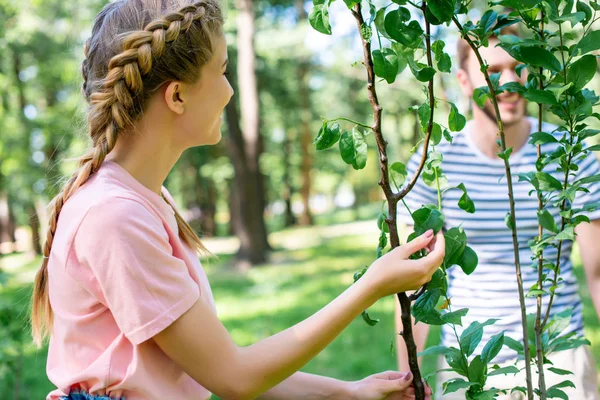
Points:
x=270 y=298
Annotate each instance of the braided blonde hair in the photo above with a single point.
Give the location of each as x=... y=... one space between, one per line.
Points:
x=136 y=46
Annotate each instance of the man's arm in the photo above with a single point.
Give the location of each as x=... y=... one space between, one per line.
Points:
x=587 y=238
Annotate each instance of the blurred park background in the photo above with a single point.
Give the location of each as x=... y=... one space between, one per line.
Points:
x=289 y=225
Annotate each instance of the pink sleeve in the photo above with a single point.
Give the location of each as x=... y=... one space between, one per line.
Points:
x=127 y=249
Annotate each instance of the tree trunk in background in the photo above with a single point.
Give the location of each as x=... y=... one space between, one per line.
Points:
x=206 y=195
x=290 y=218
x=305 y=134
x=34 y=223
x=244 y=147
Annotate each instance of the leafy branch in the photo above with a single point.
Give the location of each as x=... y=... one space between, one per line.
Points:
x=505 y=154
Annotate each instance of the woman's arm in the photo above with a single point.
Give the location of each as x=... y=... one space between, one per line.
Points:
x=201 y=345
x=301 y=386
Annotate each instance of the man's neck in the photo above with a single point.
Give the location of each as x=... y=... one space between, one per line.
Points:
x=484 y=134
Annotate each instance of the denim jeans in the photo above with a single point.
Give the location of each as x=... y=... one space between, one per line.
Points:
x=80 y=395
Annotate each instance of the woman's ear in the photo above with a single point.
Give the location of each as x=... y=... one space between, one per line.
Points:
x=174 y=97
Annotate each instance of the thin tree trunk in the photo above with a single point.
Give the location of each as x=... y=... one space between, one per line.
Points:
x=244 y=149
x=290 y=218
x=34 y=225
x=305 y=134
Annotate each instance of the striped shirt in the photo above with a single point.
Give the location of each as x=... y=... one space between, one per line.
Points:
x=491 y=290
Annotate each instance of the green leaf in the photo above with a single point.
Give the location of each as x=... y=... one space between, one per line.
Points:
x=573 y=18
x=424 y=112
x=427 y=218
x=366 y=32
x=351 y=3
x=513 y=344
x=381 y=224
x=424 y=308
x=487 y=21
x=319 y=19
x=456 y=384
x=438 y=280
x=505 y=155
x=436 y=134
x=353 y=148
x=447 y=135
x=328 y=135
x=422 y=72
x=584 y=8
x=535 y=57
x=347 y=147
x=563 y=384
x=560 y=371
x=398 y=174
x=365 y=316
x=360 y=145
x=471 y=336
x=542 y=138
x=380 y=23
x=456 y=121
x=513 y=87
x=469 y=261
x=465 y=202
x=427 y=301
x=492 y=348
x=547 y=182
x=444 y=63
x=409 y=35
x=558 y=323
x=587 y=179
x=478 y=370
x=385 y=64
x=456 y=242
x=434 y=350
x=489 y=394
x=443 y=10
x=508 y=221
x=547 y=221
x=554 y=393
x=589 y=42
x=359 y=274
x=582 y=71
x=511 y=369
x=455 y=317
x=457 y=362
x=480 y=95
x=540 y=96
x=567 y=234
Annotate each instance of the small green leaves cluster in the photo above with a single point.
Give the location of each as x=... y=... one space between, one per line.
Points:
x=352 y=143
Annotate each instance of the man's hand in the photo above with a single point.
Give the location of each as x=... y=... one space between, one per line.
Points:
x=388 y=385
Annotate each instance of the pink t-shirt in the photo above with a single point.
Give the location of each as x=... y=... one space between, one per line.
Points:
x=119 y=274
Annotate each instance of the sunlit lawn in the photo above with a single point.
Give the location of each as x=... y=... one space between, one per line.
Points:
x=270 y=298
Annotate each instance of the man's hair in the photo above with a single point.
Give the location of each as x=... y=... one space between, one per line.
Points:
x=463 y=49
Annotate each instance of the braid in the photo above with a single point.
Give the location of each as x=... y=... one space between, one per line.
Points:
x=112 y=109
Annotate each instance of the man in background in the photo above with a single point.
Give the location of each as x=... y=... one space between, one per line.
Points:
x=491 y=291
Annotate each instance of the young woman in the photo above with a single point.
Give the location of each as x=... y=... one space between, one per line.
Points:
x=121 y=293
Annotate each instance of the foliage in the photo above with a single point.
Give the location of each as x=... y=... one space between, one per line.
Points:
x=558 y=71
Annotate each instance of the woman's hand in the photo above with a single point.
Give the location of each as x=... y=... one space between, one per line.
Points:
x=388 y=385
x=395 y=273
